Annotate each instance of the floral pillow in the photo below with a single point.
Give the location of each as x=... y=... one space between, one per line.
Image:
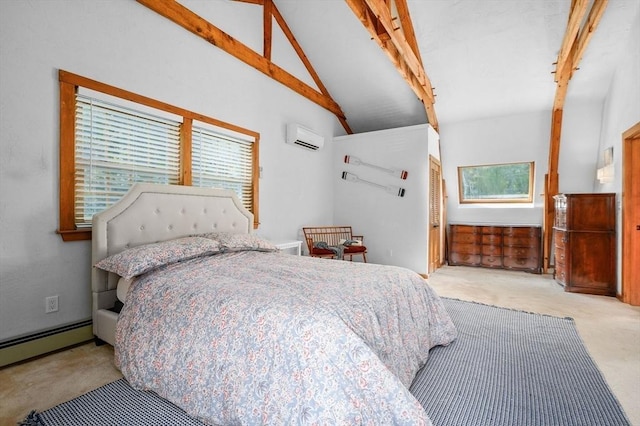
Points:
x=138 y=260
x=241 y=242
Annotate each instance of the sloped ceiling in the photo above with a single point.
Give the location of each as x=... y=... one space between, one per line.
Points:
x=484 y=57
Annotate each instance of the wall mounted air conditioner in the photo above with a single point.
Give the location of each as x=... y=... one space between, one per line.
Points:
x=303 y=137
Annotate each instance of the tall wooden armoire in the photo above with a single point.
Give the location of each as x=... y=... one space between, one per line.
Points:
x=585 y=243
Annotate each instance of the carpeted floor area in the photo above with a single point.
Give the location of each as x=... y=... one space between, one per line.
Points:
x=507 y=367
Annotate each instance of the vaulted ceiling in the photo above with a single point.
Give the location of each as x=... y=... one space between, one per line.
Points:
x=483 y=58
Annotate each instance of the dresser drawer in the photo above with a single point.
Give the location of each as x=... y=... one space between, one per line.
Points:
x=492 y=261
x=465 y=229
x=492 y=239
x=492 y=250
x=559 y=239
x=515 y=251
x=522 y=231
x=561 y=273
x=467 y=238
x=465 y=259
x=559 y=254
x=527 y=263
x=521 y=241
x=465 y=248
x=495 y=230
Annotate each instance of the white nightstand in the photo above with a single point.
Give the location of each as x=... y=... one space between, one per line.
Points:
x=290 y=244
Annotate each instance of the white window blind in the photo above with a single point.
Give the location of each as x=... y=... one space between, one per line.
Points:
x=222 y=161
x=116 y=147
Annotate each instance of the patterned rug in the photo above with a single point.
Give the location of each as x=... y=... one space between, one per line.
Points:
x=506 y=368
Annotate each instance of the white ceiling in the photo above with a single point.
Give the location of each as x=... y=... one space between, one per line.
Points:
x=484 y=57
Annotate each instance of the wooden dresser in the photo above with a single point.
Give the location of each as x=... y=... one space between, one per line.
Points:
x=515 y=247
x=585 y=243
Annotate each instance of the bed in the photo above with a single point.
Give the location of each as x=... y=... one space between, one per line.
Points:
x=216 y=320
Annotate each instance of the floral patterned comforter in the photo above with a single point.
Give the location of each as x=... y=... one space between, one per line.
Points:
x=269 y=338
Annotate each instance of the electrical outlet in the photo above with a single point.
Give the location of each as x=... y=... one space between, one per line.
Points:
x=51 y=304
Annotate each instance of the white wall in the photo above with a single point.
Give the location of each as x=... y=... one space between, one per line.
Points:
x=577 y=164
x=395 y=228
x=516 y=138
x=124 y=44
x=621 y=111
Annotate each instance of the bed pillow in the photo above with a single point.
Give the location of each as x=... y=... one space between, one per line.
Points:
x=138 y=260
x=123 y=288
x=241 y=242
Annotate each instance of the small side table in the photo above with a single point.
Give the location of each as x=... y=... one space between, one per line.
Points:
x=290 y=244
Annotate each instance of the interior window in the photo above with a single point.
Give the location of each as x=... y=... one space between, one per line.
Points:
x=106 y=146
x=496 y=183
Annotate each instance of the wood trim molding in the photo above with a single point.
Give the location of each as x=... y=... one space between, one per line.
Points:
x=67 y=157
x=186 y=146
x=630 y=216
x=69 y=83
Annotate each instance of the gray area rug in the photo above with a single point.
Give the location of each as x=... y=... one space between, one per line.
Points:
x=514 y=368
x=506 y=368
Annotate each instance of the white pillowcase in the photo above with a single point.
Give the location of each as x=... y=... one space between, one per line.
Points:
x=123 y=288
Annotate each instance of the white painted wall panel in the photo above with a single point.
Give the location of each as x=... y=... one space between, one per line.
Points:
x=515 y=138
x=621 y=112
x=124 y=44
x=395 y=228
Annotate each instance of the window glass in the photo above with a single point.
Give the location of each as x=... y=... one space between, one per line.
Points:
x=221 y=161
x=496 y=183
x=115 y=148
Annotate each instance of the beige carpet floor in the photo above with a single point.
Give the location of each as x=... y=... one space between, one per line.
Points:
x=609 y=328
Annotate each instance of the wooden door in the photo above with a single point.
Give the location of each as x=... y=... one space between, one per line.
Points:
x=631 y=215
x=435 y=214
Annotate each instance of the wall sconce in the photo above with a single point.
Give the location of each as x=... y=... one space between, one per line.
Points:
x=605 y=173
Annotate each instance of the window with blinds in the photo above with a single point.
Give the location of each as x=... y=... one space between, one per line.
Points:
x=111 y=138
x=117 y=147
x=221 y=161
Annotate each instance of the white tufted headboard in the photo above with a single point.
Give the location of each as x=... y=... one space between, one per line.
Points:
x=150 y=213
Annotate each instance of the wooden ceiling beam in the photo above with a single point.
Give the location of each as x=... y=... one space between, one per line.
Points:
x=576 y=15
x=197 y=25
x=595 y=14
x=375 y=15
x=267 y=19
x=383 y=15
x=573 y=47
x=406 y=23
x=574 y=44
x=562 y=79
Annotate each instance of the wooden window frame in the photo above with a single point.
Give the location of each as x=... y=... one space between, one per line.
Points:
x=496 y=200
x=69 y=84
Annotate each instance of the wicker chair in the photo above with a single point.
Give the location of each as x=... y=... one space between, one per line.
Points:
x=333 y=236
